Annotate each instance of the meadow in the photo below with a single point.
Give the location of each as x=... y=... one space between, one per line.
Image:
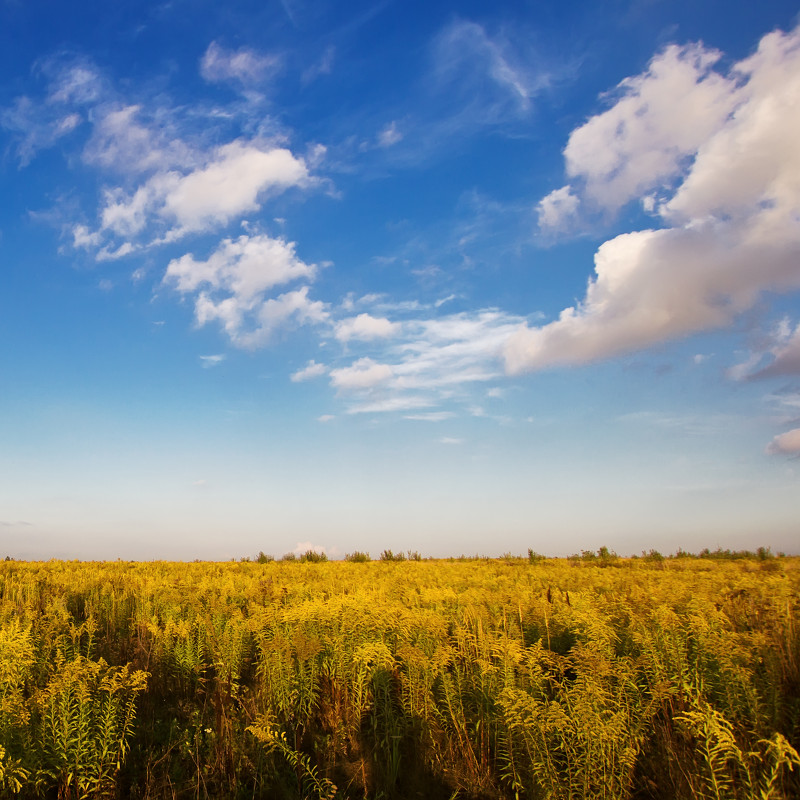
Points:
x=593 y=677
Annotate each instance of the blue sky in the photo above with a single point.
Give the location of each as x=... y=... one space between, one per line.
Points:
x=450 y=277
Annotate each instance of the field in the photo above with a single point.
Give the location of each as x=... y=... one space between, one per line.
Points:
x=594 y=677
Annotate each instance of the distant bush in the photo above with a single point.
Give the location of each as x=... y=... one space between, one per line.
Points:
x=313 y=557
x=652 y=555
x=534 y=557
x=607 y=558
x=289 y=557
x=388 y=555
x=357 y=557
x=264 y=558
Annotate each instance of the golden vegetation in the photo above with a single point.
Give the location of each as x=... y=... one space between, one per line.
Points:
x=596 y=677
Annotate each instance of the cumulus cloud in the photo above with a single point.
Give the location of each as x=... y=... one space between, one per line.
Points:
x=245 y=267
x=232 y=180
x=557 y=209
x=301 y=548
x=730 y=226
x=244 y=66
x=252 y=323
x=641 y=142
x=311 y=370
x=785 y=443
x=362 y=374
x=365 y=327
x=173 y=185
x=231 y=287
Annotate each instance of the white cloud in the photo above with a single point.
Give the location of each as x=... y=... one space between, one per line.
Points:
x=36 y=127
x=244 y=66
x=450 y=440
x=211 y=361
x=734 y=216
x=252 y=324
x=311 y=370
x=781 y=350
x=785 y=443
x=233 y=183
x=122 y=143
x=365 y=327
x=362 y=374
x=456 y=349
x=325 y=418
x=245 y=267
x=557 y=209
x=81 y=237
x=301 y=548
x=641 y=142
x=390 y=135
x=77 y=84
x=428 y=362
x=231 y=287
x=431 y=416
x=469 y=58
x=786 y=358
x=234 y=180
x=321 y=67
x=391 y=403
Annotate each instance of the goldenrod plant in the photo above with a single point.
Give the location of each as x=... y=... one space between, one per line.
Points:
x=594 y=677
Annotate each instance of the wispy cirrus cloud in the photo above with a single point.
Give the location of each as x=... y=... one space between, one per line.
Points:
x=426 y=363
x=124 y=143
x=244 y=66
x=781 y=354
x=486 y=75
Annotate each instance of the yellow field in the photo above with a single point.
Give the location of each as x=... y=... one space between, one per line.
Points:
x=676 y=678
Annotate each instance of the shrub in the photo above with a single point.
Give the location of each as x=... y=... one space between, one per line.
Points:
x=313 y=557
x=357 y=557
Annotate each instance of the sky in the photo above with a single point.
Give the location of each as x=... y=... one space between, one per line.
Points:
x=454 y=277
